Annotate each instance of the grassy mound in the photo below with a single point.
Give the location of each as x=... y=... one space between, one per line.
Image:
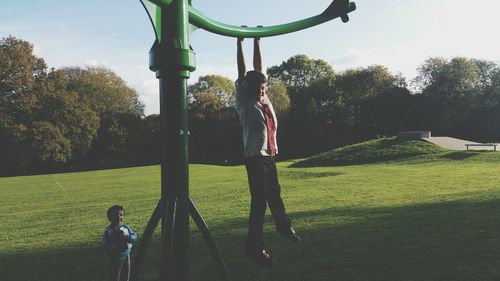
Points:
x=373 y=151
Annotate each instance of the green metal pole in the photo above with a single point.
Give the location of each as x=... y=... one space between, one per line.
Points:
x=173 y=74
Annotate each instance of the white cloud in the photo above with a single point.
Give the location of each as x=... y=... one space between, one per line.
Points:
x=397 y=60
x=38 y=50
x=93 y=62
x=226 y=70
x=448 y=30
x=149 y=94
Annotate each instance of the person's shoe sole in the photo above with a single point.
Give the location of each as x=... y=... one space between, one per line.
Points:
x=260 y=260
x=290 y=236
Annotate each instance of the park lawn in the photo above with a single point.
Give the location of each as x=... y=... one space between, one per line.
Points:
x=437 y=218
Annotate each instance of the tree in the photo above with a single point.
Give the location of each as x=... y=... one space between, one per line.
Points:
x=278 y=94
x=104 y=90
x=309 y=84
x=21 y=79
x=210 y=94
x=389 y=112
x=356 y=86
x=49 y=145
x=215 y=133
x=447 y=80
x=42 y=124
x=119 y=110
x=21 y=74
x=453 y=89
x=151 y=141
x=300 y=71
x=69 y=112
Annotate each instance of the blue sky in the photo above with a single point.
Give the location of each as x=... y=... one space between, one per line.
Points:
x=399 y=34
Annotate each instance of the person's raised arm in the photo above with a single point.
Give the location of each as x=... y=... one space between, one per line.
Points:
x=242 y=70
x=257 y=58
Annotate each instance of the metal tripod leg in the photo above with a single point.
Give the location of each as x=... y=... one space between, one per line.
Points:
x=143 y=246
x=148 y=233
x=212 y=247
x=168 y=232
x=202 y=226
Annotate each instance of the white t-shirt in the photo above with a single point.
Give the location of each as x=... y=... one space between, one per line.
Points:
x=253 y=121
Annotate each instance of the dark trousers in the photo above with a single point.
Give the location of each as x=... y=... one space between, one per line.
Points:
x=119 y=269
x=264 y=190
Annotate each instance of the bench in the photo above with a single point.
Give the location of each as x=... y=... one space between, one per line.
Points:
x=481 y=144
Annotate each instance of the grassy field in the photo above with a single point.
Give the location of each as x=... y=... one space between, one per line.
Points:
x=402 y=215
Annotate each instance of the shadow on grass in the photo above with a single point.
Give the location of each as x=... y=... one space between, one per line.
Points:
x=441 y=241
x=380 y=159
x=306 y=175
x=79 y=262
x=459 y=155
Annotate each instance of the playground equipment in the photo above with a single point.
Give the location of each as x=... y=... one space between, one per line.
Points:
x=172 y=58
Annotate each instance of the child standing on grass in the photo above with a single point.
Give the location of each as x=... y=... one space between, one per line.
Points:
x=117 y=241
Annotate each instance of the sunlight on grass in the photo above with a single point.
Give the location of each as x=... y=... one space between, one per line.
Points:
x=431 y=218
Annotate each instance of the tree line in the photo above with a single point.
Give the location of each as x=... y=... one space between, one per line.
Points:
x=63 y=119
x=77 y=118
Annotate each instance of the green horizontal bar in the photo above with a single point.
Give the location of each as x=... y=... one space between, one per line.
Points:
x=161 y=2
x=199 y=20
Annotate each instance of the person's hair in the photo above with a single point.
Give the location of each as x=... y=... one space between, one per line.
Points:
x=255 y=78
x=113 y=210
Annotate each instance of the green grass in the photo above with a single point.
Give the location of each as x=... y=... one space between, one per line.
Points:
x=433 y=216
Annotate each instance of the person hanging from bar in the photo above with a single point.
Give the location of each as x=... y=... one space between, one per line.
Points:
x=259 y=122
